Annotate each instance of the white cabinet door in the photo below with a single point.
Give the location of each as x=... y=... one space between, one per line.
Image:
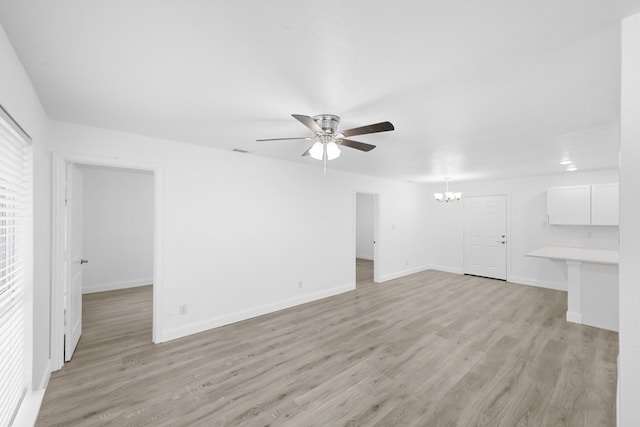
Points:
x=569 y=205
x=604 y=204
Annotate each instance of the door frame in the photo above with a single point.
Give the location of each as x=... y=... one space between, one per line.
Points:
x=508 y=226
x=59 y=164
x=376 y=232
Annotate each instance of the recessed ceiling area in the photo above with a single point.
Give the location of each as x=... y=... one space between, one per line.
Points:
x=475 y=90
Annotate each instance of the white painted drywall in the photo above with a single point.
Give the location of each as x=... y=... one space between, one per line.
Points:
x=241 y=231
x=118 y=228
x=629 y=360
x=19 y=98
x=599 y=295
x=528 y=227
x=364 y=225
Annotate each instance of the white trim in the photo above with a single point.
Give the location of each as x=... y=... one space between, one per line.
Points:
x=27 y=415
x=59 y=163
x=102 y=287
x=446 y=269
x=364 y=256
x=57 y=261
x=538 y=283
x=516 y=280
x=403 y=273
x=226 y=319
x=574 y=317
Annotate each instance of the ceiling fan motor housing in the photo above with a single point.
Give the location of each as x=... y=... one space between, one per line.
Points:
x=328 y=122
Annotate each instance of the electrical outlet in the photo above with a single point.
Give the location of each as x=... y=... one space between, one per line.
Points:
x=300 y=283
x=183 y=309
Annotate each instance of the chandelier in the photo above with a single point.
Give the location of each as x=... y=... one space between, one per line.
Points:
x=447 y=196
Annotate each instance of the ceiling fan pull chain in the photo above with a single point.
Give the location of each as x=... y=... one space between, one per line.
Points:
x=324 y=157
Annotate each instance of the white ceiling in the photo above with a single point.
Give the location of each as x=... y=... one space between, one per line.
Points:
x=476 y=89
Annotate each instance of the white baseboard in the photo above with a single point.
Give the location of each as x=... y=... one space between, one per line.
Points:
x=447 y=269
x=538 y=283
x=30 y=407
x=206 y=324
x=364 y=256
x=512 y=279
x=574 y=317
x=102 y=287
x=402 y=273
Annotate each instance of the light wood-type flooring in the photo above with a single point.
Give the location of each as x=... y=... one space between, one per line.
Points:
x=430 y=349
x=364 y=272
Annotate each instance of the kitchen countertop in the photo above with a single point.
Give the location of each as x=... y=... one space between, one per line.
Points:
x=596 y=256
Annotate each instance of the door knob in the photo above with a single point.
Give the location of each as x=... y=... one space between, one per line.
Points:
x=83 y=261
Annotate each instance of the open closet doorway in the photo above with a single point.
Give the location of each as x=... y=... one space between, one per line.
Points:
x=105 y=246
x=366 y=235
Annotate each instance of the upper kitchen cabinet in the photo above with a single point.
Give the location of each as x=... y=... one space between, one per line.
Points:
x=583 y=205
x=569 y=205
x=604 y=204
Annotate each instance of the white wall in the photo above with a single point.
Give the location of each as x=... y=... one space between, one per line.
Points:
x=528 y=228
x=629 y=361
x=19 y=98
x=117 y=228
x=364 y=225
x=241 y=231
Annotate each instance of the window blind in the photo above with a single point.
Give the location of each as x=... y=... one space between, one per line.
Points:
x=15 y=218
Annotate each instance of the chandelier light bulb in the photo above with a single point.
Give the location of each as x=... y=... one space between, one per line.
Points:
x=447 y=196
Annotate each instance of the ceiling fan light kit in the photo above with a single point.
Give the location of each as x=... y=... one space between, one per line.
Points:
x=318 y=150
x=447 y=196
x=325 y=128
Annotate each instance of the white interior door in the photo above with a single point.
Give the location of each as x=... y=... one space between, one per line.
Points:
x=485 y=236
x=73 y=262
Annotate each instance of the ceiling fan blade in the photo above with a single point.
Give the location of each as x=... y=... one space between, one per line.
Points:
x=308 y=152
x=355 y=144
x=377 y=127
x=307 y=138
x=308 y=122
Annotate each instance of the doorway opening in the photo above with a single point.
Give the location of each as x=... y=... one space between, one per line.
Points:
x=366 y=238
x=105 y=253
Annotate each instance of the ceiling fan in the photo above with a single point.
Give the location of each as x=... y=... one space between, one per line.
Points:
x=325 y=127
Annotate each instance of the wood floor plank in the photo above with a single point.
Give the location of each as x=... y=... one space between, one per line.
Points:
x=433 y=348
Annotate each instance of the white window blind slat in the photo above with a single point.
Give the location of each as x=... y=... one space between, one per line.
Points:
x=15 y=221
x=13 y=136
x=9 y=161
x=10 y=285
x=11 y=190
x=10 y=350
x=12 y=320
x=11 y=156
